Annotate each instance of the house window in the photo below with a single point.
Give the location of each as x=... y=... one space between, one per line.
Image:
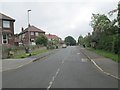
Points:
x=6 y=24
x=20 y=37
x=32 y=40
x=23 y=35
x=37 y=33
x=5 y=40
x=32 y=33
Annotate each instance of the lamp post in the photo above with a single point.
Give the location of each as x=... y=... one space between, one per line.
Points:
x=28 y=17
x=28 y=33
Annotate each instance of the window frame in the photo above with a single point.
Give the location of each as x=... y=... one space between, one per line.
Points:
x=32 y=33
x=6 y=24
x=37 y=34
x=6 y=39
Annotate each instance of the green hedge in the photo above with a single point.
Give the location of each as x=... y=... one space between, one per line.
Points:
x=109 y=43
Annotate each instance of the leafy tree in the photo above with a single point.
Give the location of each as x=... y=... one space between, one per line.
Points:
x=80 y=40
x=117 y=29
x=70 y=40
x=118 y=17
x=106 y=33
x=100 y=22
x=41 y=40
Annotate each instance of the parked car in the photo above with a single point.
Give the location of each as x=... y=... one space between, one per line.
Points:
x=64 y=46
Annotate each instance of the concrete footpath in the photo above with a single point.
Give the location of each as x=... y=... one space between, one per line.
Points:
x=8 y=64
x=105 y=65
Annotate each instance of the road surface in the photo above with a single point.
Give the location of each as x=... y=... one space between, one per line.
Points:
x=67 y=68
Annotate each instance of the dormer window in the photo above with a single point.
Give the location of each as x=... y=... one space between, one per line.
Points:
x=6 y=24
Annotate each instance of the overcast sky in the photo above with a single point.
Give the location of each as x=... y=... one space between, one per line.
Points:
x=60 y=17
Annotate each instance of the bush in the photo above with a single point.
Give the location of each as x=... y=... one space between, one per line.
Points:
x=41 y=40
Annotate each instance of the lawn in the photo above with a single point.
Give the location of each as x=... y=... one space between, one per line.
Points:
x=107 y=54
x=24 y=55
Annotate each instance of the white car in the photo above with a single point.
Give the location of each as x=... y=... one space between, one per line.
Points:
x=64 y=46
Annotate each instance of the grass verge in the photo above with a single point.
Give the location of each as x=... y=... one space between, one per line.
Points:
x=24 y=55
x=106 y=54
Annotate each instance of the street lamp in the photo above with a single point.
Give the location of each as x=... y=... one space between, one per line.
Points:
x=28 y=33
x=28 y=17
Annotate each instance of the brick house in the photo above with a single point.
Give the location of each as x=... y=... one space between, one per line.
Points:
x=6 y=30
x=53 y=37
x=28 y=35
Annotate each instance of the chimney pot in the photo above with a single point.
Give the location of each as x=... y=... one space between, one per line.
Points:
x=22 y=29
x=29 y=25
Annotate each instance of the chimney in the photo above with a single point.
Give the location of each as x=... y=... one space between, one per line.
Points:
x=22 y=29
x=29 y=25
x=88 y=34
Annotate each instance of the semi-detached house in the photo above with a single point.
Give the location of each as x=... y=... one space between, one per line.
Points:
x=6 y=30
x=28 y=35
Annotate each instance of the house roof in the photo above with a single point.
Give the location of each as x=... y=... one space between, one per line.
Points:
x=5 y=17
x=51 y=36
x=33 y=29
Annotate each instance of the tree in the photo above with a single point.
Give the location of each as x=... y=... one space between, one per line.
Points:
x=105 y=31
x=118 y=17
x=41 y=40
x=117 y=28
x=80 y=40
x=69 y=40
x=100 y=22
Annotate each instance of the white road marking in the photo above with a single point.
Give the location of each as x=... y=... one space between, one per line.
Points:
x=96 y=65
x=20 y=66
x=78 y=53
x=57 y=72
x=84 y=60
x=103 y=70
x=100 y=67
x=50 y=83
x=53 y=78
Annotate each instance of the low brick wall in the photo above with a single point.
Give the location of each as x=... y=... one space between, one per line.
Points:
x=17 y=50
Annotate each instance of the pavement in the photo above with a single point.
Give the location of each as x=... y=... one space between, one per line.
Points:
x=105 y=65
x=8 y=64
x=66 y=68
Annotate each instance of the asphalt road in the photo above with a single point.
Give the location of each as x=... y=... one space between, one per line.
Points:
x=67 y=68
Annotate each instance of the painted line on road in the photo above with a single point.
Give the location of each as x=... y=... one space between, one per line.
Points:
x=103 y=70
x=57 y=72
x=100 y=67
x=84 y=60
x=78 y=53
x=96 y=65
x=53 y=79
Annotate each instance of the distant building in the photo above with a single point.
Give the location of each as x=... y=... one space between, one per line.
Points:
x=6 y=30
x=29 y=35
x=53 y=37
